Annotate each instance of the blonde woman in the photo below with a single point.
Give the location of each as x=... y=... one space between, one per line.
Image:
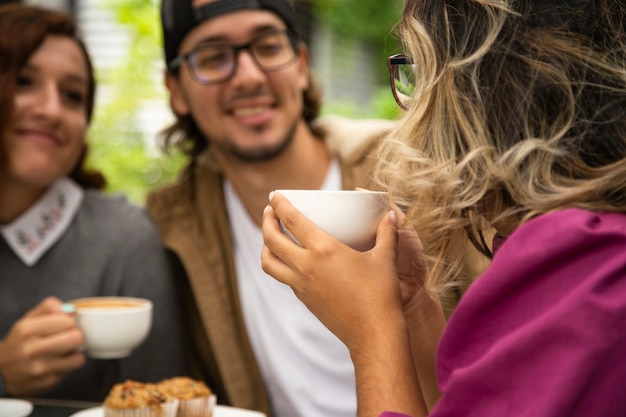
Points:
x=517 y=124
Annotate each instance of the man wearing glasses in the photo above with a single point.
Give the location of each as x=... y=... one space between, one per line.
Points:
x=246 y=112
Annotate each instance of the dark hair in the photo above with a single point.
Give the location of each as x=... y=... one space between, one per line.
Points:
x=24 y=28
x=178 y=17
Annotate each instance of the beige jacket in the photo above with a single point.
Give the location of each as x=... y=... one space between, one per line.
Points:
x=192 y=220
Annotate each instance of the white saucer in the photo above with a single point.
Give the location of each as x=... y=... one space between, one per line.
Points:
x=220 y=411
x=12 y=407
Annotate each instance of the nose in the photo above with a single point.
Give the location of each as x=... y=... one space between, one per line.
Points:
x=48 y=103
x=247 y=74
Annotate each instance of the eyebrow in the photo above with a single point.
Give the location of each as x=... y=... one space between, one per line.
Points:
x=78 y=78
x=71 y=77
x=38 y=68
x=223 y=39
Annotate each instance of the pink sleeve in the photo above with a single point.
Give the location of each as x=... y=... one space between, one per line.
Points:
x=543 y=331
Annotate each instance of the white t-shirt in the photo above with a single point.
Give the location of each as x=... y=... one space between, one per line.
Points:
x=307 y=370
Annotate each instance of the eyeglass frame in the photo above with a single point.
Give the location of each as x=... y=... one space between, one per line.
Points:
x=392 y=62
x=293 y=41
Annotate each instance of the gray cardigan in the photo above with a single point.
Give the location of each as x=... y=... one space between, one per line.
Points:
x=111 y=248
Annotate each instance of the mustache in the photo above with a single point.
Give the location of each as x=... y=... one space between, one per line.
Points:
x=254 y=96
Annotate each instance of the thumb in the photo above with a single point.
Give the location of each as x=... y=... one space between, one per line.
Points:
x=387 y=234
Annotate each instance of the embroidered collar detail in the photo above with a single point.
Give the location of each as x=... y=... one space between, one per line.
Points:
x=33 y=233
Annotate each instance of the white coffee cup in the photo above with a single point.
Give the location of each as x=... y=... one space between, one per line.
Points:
x=113 y=326
x=350 y=216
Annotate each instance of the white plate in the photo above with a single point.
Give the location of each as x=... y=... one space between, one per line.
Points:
x=11 y=407
x=220 y=411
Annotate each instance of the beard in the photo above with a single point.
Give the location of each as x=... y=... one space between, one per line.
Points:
x=262 y=154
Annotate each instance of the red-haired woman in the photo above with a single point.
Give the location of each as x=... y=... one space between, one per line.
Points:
x=60 y=236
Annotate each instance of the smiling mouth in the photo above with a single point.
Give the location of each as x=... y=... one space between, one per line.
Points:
x=250 y=111
x=40 y=136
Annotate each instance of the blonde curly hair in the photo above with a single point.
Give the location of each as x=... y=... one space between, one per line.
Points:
x=519 y=109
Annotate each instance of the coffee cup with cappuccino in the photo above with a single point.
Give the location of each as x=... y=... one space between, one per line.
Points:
x=112 y=326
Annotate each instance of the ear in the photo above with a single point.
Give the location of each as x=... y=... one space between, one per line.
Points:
x=177 y=98
x=303 y=66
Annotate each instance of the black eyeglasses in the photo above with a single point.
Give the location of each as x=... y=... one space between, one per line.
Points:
x=402 y=79
x=216 y=62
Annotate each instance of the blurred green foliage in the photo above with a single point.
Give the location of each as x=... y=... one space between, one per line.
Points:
x=370 y=21
x=135 y=165
x=383 y=106
x=132 y=164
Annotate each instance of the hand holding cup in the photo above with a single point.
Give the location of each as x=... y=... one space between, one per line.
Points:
x=113 y=326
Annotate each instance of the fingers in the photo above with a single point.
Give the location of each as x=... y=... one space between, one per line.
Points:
x=48 y=305
x=276 y=268
x=387 y=235
x=54 y=333
x=42 y=326
x=324 y=272
x=39 y=350
x=52 y=366
x=60 y=343
x=39 y=374
x=272 y=230
x=63 y=364
x=277 y=249
x=303 y=229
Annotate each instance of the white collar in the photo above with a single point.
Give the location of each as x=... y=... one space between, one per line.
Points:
x=44 y=223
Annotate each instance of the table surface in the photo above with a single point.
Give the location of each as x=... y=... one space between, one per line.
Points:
x=57 y=408
x=62 y=408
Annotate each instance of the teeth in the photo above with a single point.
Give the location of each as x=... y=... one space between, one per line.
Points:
x=250 y=111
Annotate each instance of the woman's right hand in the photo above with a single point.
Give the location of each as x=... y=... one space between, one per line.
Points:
x=40 y=349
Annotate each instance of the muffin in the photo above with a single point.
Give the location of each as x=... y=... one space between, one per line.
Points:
x=195 y=398
x=138 y=399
